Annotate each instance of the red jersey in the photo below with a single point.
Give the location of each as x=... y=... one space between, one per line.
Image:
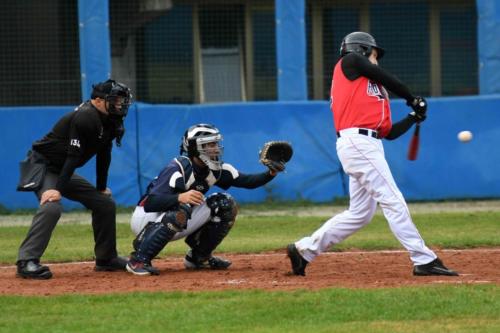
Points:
x=360 y=103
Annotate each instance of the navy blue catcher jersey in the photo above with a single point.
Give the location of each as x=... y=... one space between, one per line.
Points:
x=181 y=175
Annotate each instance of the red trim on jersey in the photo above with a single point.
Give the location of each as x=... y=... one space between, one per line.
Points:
x=360 y=103
x=143 y=201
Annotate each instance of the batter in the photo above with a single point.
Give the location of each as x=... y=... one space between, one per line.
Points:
x=362 y=117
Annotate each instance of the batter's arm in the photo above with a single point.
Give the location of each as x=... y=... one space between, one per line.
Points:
x=355 y=65
x=401 y=127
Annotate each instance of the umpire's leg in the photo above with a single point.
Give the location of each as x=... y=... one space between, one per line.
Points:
x=42 y=225
x=103 y=215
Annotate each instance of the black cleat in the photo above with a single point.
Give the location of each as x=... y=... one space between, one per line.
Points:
x=111 y=265
x=31 y=269
x=298 y=263
x=191 y=262
x=435 y=267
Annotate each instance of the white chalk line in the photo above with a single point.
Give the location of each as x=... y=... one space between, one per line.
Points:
x=257 y=255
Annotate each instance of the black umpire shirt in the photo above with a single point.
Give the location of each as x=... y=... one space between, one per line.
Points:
x=74 y=140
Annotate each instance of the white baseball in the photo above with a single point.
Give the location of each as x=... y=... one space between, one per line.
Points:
x=465 y=136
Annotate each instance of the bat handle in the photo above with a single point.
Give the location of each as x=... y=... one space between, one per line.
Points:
x=417 y=129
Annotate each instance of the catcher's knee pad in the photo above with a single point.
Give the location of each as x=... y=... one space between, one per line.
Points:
x=223 y=214
x=223 y=208
x=176 y=220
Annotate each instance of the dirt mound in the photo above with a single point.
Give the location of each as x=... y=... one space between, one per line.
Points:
x=269 y=271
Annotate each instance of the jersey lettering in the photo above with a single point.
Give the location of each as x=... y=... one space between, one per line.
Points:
x=373 y=90
x=75 y=142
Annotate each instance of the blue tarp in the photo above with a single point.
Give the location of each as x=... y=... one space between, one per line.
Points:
x=445 y=168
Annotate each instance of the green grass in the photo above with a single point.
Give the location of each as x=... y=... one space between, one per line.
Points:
x=257 y=234
x=436 y=308
x=429 y=309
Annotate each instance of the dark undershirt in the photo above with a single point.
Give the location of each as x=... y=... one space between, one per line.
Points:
x=355 y=65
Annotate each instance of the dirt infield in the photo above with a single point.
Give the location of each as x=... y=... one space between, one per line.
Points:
x=267 y=271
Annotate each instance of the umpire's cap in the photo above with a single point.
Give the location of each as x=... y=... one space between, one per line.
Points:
x=102 y=89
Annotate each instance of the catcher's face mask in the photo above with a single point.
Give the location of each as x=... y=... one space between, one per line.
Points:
x=210 y=150
x=203 y=141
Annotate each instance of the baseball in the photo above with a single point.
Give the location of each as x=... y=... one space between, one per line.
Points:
x=465 y=136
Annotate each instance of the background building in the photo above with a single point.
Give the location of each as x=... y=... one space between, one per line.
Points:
x=259 y=70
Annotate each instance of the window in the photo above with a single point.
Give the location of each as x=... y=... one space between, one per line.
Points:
x=39 y=46
x=192 y=52
x=430 y=45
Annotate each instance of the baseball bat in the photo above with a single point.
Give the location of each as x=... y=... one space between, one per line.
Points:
x=415 y=139
x=414 y=143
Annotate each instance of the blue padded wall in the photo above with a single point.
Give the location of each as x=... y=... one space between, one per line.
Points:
x=446 y=168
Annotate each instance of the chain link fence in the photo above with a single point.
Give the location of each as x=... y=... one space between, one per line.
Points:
x=39 y=53
x=195 y=51
x=187 y=51
x=430 y=45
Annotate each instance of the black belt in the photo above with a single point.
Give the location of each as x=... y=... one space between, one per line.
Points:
x=364 y=131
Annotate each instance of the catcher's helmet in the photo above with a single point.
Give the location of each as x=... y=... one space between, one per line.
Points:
x=360 y=42
x=195 y=143
x=117 y=95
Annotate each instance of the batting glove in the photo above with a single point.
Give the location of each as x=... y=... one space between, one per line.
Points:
x=419 y=106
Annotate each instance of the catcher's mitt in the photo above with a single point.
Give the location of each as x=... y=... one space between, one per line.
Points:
x=275 y=155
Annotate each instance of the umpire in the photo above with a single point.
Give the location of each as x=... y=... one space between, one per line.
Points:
x=79 y=135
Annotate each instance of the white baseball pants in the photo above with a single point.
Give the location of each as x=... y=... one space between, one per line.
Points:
x=199 y=216
x=370 y=182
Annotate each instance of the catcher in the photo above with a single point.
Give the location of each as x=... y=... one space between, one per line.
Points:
x=174 y=205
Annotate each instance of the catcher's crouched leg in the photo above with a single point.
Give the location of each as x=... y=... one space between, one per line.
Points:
x=153 y=238
x=204 y=241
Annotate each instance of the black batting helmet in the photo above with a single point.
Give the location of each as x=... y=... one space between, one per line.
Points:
x=360 y=42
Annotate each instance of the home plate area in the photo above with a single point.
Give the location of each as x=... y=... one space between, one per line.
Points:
x=267 y=271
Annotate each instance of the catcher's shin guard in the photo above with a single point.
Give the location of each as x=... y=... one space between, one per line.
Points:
x=151 y=241
x=223 y=214
x=155 y=235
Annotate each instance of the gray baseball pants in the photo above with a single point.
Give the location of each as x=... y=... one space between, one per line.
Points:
x=78 y=189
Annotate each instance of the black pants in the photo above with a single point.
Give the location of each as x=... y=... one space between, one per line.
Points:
x=79 y=189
